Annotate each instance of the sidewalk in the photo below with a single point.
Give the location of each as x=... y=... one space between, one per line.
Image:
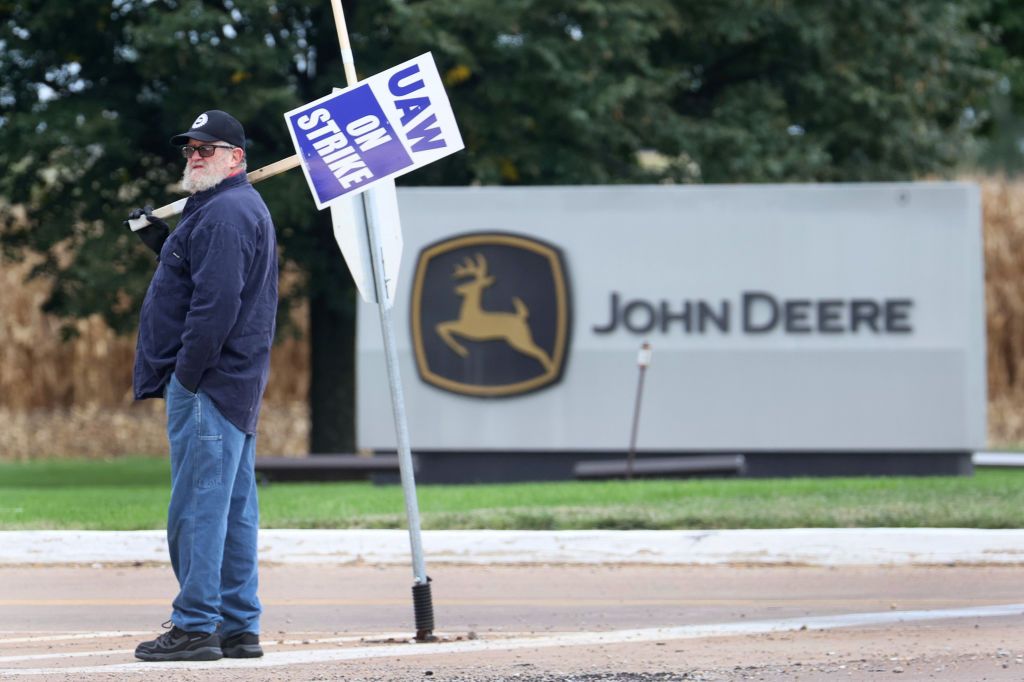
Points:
x=803 y=546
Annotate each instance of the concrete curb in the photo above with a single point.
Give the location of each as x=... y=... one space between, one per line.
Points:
x=808 y=546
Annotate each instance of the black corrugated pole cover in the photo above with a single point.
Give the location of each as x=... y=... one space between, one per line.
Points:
x=423 y=604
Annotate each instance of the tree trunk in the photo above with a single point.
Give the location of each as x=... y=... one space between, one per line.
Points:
x=332 y=328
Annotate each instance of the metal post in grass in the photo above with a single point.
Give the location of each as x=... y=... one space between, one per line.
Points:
x=643 y=361
x=423 y=606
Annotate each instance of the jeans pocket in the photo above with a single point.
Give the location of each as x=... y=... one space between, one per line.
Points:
x=210 y=463
x=177 y=386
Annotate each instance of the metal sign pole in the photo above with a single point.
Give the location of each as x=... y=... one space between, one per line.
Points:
x=422 y=599
x=643 y=360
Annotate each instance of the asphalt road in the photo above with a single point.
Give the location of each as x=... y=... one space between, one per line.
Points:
x=544 y=622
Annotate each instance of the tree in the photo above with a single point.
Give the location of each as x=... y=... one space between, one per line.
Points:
x=1002 y=146
x=846 y=90
x=545 y=93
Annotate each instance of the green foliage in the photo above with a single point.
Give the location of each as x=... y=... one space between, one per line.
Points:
x=825 y=91
x=1002 y=148
x=545 y=93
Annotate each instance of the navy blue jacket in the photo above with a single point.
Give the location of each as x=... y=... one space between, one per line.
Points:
x=209 y=313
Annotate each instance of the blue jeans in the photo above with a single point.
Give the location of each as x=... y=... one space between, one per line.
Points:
x=213 y=517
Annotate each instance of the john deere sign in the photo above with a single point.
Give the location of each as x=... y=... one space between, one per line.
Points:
x=490 y=314
x=806 y=319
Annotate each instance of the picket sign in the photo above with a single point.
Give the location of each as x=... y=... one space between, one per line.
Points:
x=381 y=127
x=349 y=216
x=360 y=138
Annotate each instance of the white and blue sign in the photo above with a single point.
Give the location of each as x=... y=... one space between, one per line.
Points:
x=382 y=127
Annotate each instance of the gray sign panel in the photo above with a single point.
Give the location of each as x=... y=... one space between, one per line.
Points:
x=788 y=317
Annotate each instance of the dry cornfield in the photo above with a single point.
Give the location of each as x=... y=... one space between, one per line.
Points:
x=74 y=398
x=1003 y=221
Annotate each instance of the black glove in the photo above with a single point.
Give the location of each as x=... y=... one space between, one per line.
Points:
x=151 y=230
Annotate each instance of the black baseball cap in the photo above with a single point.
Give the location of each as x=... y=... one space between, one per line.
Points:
x=214 y=125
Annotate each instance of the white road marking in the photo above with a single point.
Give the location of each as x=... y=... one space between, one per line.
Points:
x=399 y=637
x=53 y=637
x=67 y=654
x=570 y=639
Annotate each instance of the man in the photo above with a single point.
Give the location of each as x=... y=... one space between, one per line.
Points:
x=205 y=332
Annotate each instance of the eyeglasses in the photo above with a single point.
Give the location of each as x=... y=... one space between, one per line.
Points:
x=205 y=150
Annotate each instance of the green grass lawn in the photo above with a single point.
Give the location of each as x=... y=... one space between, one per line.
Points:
x=132 y=494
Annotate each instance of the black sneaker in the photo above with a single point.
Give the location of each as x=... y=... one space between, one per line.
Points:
x=178 y=645
x=242 y=645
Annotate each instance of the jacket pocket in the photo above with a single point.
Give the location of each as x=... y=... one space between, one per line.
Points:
x=172 y=274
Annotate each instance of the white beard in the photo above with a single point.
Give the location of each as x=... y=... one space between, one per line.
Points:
x=207 y=178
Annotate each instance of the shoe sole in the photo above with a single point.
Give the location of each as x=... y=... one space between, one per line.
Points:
x=244 y=651
x=205 y=654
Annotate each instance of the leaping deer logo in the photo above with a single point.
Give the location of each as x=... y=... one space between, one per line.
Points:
x=476 y=324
